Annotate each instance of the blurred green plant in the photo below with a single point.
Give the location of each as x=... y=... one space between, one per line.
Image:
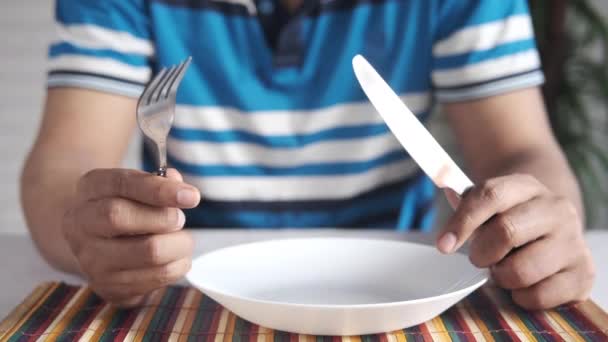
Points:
x=572 y=37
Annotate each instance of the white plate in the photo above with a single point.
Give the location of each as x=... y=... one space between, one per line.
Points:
x=335 y=286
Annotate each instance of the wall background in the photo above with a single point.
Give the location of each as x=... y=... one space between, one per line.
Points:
x=25 y=30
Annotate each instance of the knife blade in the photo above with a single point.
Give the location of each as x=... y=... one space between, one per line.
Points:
x=409 y=131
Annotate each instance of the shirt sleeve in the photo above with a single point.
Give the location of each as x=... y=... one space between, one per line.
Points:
x=101 y=45
x=483 y=48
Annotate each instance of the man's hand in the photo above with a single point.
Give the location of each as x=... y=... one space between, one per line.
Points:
x=531 y=239
x=125 y=229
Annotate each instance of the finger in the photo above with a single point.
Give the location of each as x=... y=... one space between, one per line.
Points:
x=140 y=282
x=481 y=203
x=513 y=228
x=139 y=186
x=111 y=217
x=533 y=263
x=561 y=288
x=174 y=175
x=452 y=197
x=143 y=251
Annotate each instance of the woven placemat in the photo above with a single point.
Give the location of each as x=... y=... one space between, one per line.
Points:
x=57 y=311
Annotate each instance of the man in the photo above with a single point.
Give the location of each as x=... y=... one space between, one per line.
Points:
x=273 y=130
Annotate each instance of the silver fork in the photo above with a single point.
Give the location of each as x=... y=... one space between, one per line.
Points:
x=156 y=110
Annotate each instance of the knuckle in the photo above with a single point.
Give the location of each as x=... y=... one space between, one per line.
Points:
x=113 y=212
x=170 y=217
x=570 y=213
x=476 y=259
x=580 y=254
x=86 y=179
x=465 y=219
x=153 y=250
x=521 y=273
x=567 y=206
x=477 y=254
x=187 y=265
x=507 y=230
x=167 y=274
x=158 y=193
x=120 y=182
x=490 y=190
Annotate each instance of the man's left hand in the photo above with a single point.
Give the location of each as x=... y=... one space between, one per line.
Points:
x=530 y=238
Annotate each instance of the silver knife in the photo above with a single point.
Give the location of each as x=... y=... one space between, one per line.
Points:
x=409 y=131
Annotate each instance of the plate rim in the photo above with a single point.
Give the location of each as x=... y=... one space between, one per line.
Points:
x=483 y=275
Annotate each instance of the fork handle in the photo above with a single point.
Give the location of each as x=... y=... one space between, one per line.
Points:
x=162 y=171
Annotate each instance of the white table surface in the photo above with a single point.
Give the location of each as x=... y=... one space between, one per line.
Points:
x=23 y=268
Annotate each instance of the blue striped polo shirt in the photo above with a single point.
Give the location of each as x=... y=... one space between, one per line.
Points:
x=270 y=122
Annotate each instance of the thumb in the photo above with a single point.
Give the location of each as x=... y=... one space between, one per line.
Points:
x=452 y=197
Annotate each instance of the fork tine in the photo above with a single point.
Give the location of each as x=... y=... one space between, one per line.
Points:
x=156 y=95
x=180 y=75
x=152 y=85
x=165 y=91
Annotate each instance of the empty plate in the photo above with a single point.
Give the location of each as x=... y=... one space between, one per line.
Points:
x=335 y=286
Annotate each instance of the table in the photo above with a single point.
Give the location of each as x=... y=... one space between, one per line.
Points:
x=23 y=268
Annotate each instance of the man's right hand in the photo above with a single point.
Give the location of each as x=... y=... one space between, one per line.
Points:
x=125 y=229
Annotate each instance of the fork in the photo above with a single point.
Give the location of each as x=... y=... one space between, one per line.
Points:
x=156 y=110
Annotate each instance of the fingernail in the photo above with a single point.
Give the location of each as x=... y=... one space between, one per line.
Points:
x=447 y=243
x=181 y=218
x=187 y=197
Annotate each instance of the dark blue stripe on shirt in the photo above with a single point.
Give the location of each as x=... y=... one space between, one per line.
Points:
x=64 y=48
x=120 y=15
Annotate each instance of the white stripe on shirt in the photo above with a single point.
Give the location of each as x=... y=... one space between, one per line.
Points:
x=288 y=122
x=241 y=154
x=488 y=70
x=96 y=37
x=269 y=188
x=494 y=88
x=103 y=66
x=95 y=83
x=485 y=36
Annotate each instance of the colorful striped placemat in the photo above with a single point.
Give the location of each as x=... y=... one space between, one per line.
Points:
x=56 y=311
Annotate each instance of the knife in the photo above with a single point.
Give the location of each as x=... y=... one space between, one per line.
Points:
x=409 y=131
